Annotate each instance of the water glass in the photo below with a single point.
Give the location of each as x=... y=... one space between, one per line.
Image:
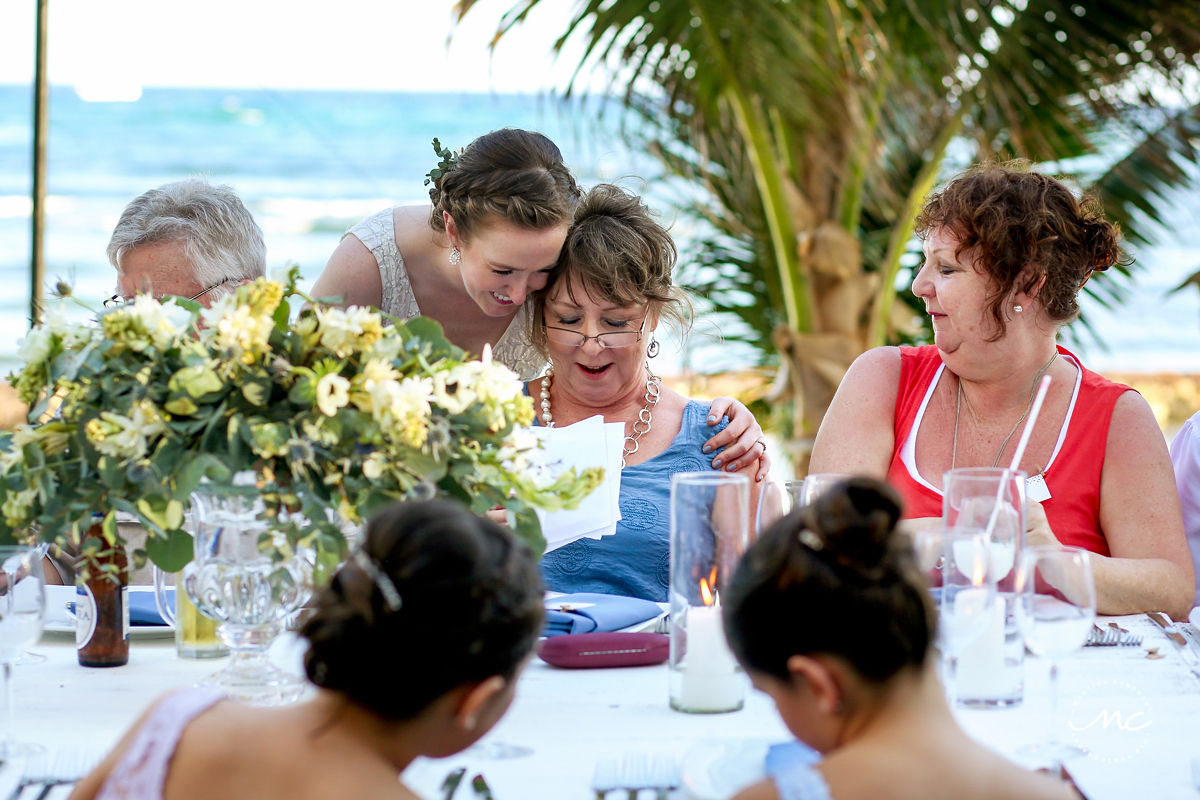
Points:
x=710 y=518
x=1055 y=609
x=22 y=614
x=991 y=671
x=195 y=633
x=776 y=499
x=818 y=483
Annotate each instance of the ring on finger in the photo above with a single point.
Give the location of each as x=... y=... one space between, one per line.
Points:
x=764 y=446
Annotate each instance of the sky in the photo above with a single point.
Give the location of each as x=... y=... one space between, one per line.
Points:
x=103 y=46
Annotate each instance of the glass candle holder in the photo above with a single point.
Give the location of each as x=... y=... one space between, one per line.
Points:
x=710 y=516
x=991 y=670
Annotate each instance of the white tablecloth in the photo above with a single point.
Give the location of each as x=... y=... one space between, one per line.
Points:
x=1141 y=745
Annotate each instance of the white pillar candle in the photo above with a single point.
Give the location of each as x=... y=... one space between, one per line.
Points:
x=710 y=679
x=981 y=669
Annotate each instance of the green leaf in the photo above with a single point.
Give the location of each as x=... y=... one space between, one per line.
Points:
x=172 y=553
x=257 y=390
x=430 y=332
x=202 y=465
x=529 y=529
x=282 y=313
x=181 y=405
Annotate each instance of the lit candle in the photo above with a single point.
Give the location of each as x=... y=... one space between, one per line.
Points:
x=981 y=669
x=710 y=680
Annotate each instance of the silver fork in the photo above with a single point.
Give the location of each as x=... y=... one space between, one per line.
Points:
x=1123 y=637
x=664 y=775
x=606 y=778
x=65 y=767
x=633 y=772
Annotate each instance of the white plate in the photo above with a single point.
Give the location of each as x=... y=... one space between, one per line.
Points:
x=60 y=621
x=718 y=770
x=135 y=631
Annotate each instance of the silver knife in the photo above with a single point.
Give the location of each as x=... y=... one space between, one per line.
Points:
x=1193 y=638
x=1177 y=639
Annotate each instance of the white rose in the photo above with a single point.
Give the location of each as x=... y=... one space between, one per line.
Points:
x=35 y=348
x=333 y=392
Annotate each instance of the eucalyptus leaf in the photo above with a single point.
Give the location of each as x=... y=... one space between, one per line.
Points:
x=529 y=529
x=257 y=391
x=172 y=552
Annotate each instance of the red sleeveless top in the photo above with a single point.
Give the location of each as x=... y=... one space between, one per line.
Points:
x=1073 y=475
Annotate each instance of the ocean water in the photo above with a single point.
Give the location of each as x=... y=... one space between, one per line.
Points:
x=311 y=163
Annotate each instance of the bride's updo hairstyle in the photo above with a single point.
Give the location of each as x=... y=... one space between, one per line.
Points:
x=832 y=578
x=513 y=175
x=438 y=598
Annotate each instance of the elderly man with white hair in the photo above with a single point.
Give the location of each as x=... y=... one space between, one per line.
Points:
x=188 y=238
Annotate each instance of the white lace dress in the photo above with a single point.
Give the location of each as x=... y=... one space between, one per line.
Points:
x=378 y=233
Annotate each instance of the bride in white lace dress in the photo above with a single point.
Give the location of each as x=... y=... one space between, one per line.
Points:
x=499 y=216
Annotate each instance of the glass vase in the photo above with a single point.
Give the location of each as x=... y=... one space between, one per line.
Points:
x=247 y=578
x=710 y=519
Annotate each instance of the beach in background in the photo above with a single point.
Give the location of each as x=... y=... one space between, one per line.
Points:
x=311 y=163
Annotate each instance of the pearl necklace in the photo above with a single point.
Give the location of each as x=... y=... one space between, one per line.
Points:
x=641 y=426
x=1032 y=393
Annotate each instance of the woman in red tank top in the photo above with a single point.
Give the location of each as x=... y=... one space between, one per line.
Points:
x=1006 y=252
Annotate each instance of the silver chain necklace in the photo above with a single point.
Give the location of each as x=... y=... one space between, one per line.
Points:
x=641 y=425
x=1032 y=393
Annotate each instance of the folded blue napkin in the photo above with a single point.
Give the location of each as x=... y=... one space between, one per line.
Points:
x=781 y=757
x=142 y=610
x=588 y=612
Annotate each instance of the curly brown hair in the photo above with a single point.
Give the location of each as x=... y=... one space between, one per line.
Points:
x=514 y=175
x=618 y=252
x=1023 y=228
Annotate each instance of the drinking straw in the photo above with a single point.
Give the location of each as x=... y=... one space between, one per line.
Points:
x=1043 y=387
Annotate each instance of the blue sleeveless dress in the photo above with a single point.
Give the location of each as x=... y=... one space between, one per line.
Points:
x=635 y=561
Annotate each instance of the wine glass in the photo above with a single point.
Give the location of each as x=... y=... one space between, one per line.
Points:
x=1056 y=606
x=818 y=483
x=28 y=656
x=22 y=613
x=776 y=499
x=957 y=564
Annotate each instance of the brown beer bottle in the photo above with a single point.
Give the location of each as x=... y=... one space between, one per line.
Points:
x=102 y=606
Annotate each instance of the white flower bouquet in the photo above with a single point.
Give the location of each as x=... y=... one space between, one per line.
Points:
x=336 y=412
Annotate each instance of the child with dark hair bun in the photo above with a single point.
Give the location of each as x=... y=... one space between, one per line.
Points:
x=830 y=618
x=415 y=647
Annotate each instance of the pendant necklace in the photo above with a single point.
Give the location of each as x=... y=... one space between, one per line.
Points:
x=641 y=425
x=1032 y=394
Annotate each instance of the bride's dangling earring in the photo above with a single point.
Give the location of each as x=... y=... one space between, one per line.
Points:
x=455 y=256
x=652 y=348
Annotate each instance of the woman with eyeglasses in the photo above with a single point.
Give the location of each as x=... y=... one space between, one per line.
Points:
x=474 y=257
x=596 y=322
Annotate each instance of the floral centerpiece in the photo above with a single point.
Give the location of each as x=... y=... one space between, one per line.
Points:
x=336 y=412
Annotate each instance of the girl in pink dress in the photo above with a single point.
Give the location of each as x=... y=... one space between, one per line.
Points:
x=414 y=648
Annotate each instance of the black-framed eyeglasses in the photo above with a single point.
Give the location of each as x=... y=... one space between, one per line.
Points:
x=613 y=339
x=116 y=301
